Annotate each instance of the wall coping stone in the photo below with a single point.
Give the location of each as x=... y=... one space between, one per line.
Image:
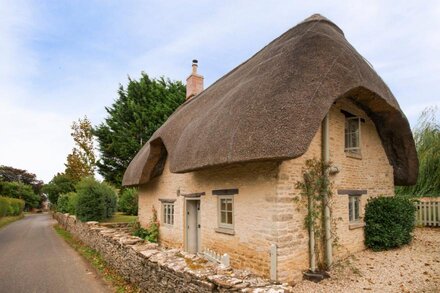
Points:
x=155 y=269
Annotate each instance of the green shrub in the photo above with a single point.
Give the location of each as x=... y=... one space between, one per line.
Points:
x=62 y=204
x=73 y=201
x=151 y=233
x=389 y=222
x=138 y=231
x=20 y=190
x=128 y=201
x=95 y=200
x=11 y=206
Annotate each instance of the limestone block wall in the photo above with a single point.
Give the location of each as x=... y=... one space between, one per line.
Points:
x=254 y=231
x=372 y=172
x=154 y=269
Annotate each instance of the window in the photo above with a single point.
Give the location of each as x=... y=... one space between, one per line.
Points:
x=352 y=135
x=168 y=213
x=354 y=208
x=226 y=207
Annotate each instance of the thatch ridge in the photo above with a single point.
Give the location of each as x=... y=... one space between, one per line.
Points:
x=270 y=107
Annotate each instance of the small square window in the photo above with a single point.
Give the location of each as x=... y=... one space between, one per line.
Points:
x=354 y=202
x=352 y=135
x=226 y=207
x=168 y=213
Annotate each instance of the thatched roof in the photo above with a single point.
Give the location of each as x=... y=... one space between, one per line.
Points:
x=271 y=106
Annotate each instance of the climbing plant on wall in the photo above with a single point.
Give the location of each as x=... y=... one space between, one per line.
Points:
x=314 y=186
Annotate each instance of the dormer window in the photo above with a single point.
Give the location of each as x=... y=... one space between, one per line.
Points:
x=353 y=135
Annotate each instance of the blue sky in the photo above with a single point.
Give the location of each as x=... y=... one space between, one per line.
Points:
x=61 y=60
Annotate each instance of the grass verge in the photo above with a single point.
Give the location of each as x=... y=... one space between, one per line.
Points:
x=8 y=220
x=95 y=259
x=121 y=218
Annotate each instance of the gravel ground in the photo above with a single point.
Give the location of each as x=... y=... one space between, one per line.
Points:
x=413 y=268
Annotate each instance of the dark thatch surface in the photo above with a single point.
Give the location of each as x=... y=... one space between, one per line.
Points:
x=271 y=106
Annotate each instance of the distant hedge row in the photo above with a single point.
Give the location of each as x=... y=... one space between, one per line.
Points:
x=11 y=206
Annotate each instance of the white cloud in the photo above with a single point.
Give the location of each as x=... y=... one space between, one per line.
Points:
x=35 y=141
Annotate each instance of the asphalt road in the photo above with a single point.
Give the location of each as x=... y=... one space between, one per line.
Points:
x=33 y=258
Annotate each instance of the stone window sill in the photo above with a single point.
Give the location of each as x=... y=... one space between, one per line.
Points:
x=225 y=231
x=353 y=155
x=357 y=225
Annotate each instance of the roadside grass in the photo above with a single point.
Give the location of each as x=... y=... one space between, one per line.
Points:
x=8 y=220
x=95 y=259
x=121 y=218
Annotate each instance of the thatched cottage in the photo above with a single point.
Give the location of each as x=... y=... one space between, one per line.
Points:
x=222 y=170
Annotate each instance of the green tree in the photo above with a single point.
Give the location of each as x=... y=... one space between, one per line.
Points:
x=10 y=174
x=60 y=184
x=81 y=162
x=141 y=108
x=21 y=191
x=427 y=138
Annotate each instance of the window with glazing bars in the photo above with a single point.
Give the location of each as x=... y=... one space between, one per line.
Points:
x=168 y=213
x=226 y=206
x=354 y=208
x=352 y=135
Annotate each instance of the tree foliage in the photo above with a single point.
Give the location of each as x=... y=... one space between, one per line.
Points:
x=427 y=138
x=10 y=174
x=81 y=162
x=128 y=201
x=60 y=184
x=63 y=203
x=95 y=200
x=141 y=108
x=21 y=191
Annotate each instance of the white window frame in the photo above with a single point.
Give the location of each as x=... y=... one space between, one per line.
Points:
x=348 y=147
x=168 y=213
x=219 y=212
x=352 y=216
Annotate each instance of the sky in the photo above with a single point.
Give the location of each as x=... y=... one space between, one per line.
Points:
x=61 y=60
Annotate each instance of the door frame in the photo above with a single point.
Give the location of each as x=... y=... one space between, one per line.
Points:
x=199 y=238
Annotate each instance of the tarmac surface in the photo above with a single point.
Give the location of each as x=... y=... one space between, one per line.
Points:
x=33 y=258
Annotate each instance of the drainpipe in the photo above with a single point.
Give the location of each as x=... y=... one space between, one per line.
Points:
x=327 y=225
x=311 y=239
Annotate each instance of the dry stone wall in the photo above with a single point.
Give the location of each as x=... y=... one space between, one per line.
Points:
x=155 y=269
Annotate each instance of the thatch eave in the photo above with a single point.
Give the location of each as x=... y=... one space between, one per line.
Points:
x=271 y=106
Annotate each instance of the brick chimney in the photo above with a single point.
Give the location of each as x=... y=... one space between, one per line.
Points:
x=194 y=82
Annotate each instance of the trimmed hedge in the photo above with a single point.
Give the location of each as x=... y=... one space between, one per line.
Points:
x=389 y=222
x=11 y=206
x=95 y=200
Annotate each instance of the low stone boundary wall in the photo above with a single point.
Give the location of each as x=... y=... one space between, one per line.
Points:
x=155 y=269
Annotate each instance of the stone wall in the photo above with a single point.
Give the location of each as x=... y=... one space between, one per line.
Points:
x=155 y=269
x=371 y=171
x=253 y=232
